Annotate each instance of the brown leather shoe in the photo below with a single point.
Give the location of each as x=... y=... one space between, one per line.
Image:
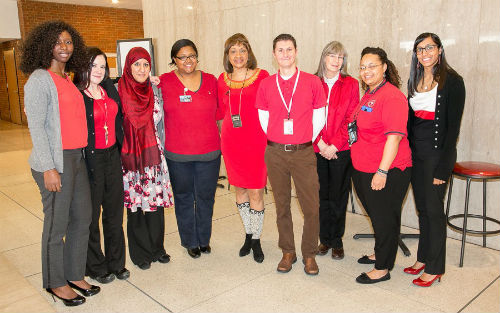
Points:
x=337 y=253
x=310 y=266
x=286 y=262
x=323 y=249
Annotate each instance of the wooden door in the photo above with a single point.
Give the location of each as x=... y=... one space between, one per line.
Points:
x=12 y=87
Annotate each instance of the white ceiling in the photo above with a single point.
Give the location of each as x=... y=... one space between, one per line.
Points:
x=123 y=4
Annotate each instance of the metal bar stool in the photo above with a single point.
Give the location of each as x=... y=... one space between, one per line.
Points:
x=472 y=170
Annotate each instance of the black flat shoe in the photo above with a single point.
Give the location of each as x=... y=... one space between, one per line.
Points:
x=206 y=249
x=365 y=260
x=164 y=258
x=122 y=274
x=144 y=265
x=194 y=252
x=86 y=292
x=104 y=279
x=67 y=302
x=365 y=279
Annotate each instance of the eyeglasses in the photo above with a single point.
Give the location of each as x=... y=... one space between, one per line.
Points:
x=428 y=48
x=335 y=56
x=192 y=57
x=368 y=67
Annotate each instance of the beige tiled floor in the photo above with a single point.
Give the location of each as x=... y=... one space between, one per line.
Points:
x=222 y=281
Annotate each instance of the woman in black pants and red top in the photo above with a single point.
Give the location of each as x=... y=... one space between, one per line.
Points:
x=436 y=96
x=102 y=155
x=381 y=158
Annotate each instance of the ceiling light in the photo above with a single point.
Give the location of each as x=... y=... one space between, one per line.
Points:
x=114 y=1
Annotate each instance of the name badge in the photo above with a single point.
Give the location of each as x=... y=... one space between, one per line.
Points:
x=185 y=98
x=366 y=109
x=236 y=119
x=288 y=127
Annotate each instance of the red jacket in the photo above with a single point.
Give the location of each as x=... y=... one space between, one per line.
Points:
x=344 y=98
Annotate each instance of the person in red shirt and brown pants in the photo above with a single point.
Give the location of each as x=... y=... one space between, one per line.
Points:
x=291 y=107
x=381 y=157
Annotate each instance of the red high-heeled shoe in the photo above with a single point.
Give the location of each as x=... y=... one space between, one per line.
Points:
x=413 y=271
x=424 y=283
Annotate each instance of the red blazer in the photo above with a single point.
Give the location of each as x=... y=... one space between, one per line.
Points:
x=344 y=98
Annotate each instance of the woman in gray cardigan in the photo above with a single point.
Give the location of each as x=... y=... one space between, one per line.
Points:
x=58 y=128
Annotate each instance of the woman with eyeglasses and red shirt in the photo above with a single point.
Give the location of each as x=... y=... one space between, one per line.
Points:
x=436 y=97
x=381 y=157
x=192 y=145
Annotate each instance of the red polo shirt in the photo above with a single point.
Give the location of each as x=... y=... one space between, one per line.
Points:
x=344 y=98
x=190 y=127
x=309 y=95
x=388 y=116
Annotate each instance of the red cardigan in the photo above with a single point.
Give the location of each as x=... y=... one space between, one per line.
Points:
x=344 y=98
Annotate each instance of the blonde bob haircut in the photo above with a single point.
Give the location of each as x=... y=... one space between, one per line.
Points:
x=333 y=47
x=238 y=39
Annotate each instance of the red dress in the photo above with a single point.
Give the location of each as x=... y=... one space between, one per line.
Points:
x=243 y=148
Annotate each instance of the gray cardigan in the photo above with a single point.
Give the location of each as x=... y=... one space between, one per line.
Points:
x=42 y=110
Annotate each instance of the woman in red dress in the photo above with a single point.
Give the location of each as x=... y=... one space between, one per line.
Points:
x=243 y=141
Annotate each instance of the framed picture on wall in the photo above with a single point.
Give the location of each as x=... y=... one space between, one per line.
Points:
x=124 y=46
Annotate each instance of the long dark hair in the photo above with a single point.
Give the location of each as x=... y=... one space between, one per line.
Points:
x=82 y=78
x=38 y=46
x=440 y=70
x=391 y=73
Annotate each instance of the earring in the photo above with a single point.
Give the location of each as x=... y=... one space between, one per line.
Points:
x=418 y=65
x=439 y=59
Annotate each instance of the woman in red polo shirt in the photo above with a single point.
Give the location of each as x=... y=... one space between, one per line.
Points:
x=58 y=129
x=243 y=141
x=381 y=157
x=333 y=153
x=192 y=145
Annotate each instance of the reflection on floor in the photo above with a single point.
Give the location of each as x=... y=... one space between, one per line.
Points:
x=222 y=281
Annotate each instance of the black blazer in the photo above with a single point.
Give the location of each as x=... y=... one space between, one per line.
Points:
x=450 y=102
x=110 y=89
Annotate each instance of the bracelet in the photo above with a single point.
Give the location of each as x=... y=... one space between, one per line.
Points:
x=381 y=171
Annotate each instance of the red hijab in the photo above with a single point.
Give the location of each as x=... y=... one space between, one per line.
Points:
x=140 y=149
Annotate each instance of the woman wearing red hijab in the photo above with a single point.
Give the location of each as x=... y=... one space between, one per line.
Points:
x=145 y=174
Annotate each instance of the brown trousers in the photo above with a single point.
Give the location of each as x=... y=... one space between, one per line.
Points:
x=301 y=166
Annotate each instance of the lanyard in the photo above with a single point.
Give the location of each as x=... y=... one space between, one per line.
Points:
x=289 y=107
x=241 y=91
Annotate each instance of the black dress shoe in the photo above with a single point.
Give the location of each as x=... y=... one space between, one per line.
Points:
x=194 y=252
x=104 y=279
x=206 y=249
x=365 y=260
x=365 y=279
x=164 y=258
x=144 y=265
x=122 y=274
x=86 y=292
x=67 y=302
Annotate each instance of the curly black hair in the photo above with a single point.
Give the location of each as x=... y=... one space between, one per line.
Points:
x=38 y=47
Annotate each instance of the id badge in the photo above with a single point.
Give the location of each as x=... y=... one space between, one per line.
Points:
x=352 y=131
x=185 y=98
x=288 y=127
x=236 y=119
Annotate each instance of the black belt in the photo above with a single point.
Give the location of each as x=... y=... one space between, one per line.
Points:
x=289 y=147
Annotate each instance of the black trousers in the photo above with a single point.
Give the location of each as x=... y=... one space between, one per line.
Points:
x=334 y=184
x=384 y=209
x=145 y=233
x=429 y=201
x=106 y=186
